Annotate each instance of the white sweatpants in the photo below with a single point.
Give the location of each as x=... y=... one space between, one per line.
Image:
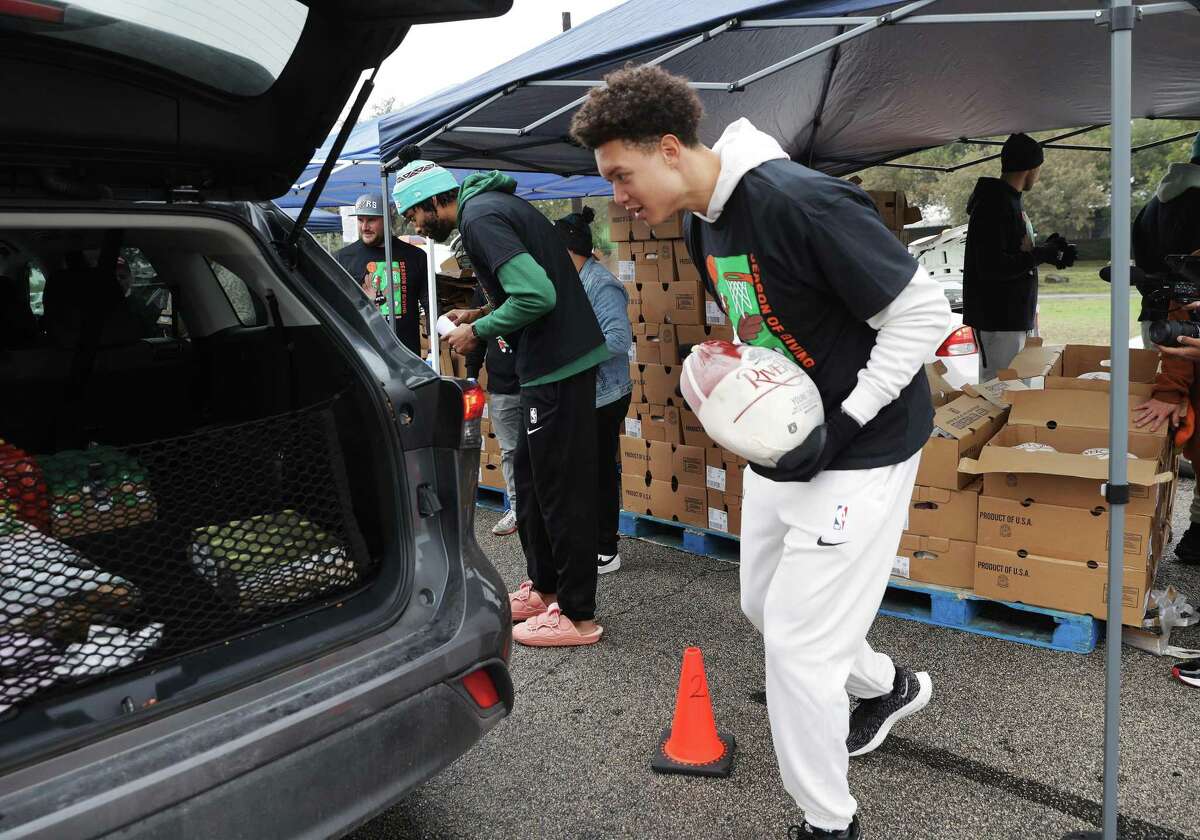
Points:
x=815 y=561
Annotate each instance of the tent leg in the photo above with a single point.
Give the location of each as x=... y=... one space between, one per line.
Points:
x=435 y=358
x=387 y=249
x=1122 y=47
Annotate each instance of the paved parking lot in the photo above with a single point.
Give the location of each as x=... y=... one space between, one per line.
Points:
x=1010 y=747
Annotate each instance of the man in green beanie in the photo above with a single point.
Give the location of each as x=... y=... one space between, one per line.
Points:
x=537 y=304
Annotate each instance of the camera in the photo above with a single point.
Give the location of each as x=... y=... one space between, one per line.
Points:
x=1168 y=291
x=1167 y=333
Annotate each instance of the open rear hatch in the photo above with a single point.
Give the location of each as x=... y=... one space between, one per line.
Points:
x=204 y=99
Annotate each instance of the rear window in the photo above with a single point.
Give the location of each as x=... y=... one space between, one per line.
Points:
x=231 y=45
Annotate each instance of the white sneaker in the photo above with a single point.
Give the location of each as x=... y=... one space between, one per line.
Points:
x=606 y=563
x=507 y=524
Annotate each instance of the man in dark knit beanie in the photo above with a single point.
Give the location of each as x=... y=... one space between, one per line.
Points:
x=1000 y=266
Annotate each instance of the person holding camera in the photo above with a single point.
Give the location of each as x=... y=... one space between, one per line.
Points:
x=1000 y=280
x=1169 y=225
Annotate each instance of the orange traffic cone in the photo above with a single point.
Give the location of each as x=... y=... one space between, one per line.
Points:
x=692 y=745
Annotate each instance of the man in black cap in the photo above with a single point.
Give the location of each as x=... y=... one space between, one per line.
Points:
x=1000 y=266
x=364 y=260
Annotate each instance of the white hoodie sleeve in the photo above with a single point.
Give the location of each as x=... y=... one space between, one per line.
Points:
x=910 y=329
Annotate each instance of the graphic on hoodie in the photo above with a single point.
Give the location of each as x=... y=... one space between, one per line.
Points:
x=740 y=287
x=375 y=280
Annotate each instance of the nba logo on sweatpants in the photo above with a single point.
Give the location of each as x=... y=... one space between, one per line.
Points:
x=839 y=517
x=533 y=417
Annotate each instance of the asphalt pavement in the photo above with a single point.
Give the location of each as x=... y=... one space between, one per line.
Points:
x=1010 y=748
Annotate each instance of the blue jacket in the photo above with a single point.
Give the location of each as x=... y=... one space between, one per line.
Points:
x=610 y=302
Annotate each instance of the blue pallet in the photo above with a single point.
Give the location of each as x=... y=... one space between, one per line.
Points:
x=689 y=538
x=938 y=606
x=963 y=610
x=492 y=498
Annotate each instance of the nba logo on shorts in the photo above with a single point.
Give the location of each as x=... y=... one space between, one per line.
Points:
x=839 y=517
x=533 y=417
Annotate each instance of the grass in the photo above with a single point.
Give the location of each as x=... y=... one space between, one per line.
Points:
x=1076 y=321
x=1084 y=277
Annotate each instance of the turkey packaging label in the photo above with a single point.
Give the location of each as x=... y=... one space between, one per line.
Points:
x=751 y=400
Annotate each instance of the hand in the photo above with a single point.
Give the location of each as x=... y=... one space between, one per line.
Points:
x=817 y=452
x=464 y=316
x=462 y=340
x=1189 y=348
x=748 y=327
x=1155 y=413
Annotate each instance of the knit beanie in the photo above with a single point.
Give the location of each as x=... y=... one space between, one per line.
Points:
x=576 y=231
x=1021 y=152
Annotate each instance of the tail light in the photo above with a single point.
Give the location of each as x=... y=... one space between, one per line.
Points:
x=474 y=403
x=474 y=400
x=961 y=342
x=482 y=689
x=32 y=10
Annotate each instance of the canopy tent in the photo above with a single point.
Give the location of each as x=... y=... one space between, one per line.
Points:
x=357 y=172
x=908 y=83
x=842 y=91
x=319 y=221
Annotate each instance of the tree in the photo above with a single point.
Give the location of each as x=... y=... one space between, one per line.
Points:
x=1074 y=186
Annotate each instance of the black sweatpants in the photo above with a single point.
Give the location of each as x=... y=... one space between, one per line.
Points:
x=555 y=473
x=608 y=487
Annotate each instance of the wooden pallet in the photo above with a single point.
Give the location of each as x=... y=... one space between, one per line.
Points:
x=939 y=606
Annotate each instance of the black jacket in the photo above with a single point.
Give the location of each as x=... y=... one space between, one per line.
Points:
x=1168 y=224
x=999 y=274
x=498 y=356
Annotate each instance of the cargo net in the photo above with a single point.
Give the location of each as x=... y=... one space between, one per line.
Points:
x=113 y=558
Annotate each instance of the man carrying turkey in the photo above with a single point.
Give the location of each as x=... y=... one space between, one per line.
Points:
x=804 y=266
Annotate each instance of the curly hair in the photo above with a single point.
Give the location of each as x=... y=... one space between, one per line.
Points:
x=639 y=105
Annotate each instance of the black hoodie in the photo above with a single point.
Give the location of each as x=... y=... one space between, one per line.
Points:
x=999 y=271
x=1168 y=224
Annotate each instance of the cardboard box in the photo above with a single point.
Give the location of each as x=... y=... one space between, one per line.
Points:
x=659 y=383
x=1036 y=359
x=688 y=335
x=1067 y=533
x=688 y=465
x=1067 y=477
x=634 y=308
x=724 y=472
x=1059 y=584
x=490 y=473
x=659 y=422
x=674 y=303
x=665 y=500
x=685 y=270
x=672 y=228
x=655 y=344
x=1059 y=409
x=724 y=513
x=893 y=209
x=940 y=391
x=693 y=431
x=938 y=512
x=935 y=560
x=654 y=262
x=620 y=223
x=1078 y=359
x=713 y=313
x=970 y=423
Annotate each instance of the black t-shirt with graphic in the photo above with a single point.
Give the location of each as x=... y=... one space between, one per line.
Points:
x=800 y=262
x=410 y=282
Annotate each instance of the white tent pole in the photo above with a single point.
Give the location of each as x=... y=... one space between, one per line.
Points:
x=387 y=249
x=431 y=314
x=1121 y=35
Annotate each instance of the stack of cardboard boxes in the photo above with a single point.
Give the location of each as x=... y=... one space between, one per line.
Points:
x=670 y=468
x=490 y=473
x=895 y=211
x=1027 y=524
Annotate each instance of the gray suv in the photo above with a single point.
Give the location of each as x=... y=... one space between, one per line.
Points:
x=240 y=592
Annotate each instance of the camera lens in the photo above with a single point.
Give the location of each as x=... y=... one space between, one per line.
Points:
x=1167 y=333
